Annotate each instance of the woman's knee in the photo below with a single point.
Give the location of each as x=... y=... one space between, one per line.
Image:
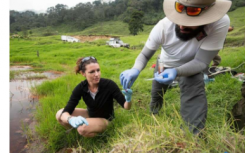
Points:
x=58 y=114
x=83 y=131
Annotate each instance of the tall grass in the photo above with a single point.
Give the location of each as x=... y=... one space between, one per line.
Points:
x=135 y=130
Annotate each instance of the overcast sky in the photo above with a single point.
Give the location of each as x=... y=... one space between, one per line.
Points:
x=40 y=6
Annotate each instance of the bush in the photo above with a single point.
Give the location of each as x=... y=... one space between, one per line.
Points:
x=152 y=18
x=48 y=34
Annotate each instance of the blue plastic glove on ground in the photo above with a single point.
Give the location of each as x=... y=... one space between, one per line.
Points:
x=128 y=77
x=128 y=94
x=77 y=121
x=166 y=77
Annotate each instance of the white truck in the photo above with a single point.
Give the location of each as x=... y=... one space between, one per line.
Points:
x=69 y=39
x=116 y=42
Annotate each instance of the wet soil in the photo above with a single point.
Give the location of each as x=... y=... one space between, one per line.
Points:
x=22 y=106
x=91 y=37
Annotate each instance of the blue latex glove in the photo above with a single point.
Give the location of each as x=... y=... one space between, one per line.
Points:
x=166 y=77
x=128 y=77
x=77 y=121
x=128 y=94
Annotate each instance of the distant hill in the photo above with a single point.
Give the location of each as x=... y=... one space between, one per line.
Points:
x=85 y=15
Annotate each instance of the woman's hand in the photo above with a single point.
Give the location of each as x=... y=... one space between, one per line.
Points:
x=128 y=94
x=77 y=121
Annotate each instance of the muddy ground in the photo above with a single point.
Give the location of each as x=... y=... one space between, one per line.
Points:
x=23 y=137
x=92 y=37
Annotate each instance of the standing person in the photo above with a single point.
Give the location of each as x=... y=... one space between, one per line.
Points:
x=98 y=94
x=190 y=36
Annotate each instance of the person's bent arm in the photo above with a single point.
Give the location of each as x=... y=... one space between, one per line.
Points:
x=143 y=58
x=155 y=39
x=71 y=105
x=128 y=77
x=210 y=48
x=198 y=64
x=64 y=117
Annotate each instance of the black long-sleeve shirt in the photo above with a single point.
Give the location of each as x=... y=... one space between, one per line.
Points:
x=102 y=105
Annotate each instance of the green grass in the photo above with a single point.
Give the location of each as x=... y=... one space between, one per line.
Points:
x=115 y=28
x=237 y=17
x=134 y=130
x=12 y=75
x=237 y=36
x=37 y=76
x=111 y=28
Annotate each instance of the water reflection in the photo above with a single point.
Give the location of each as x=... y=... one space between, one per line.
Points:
x=22 y=103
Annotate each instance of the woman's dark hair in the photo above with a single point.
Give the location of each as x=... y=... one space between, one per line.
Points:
x=81 y=64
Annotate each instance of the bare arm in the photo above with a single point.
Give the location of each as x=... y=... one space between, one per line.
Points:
x=64 y=117
x=127 y=105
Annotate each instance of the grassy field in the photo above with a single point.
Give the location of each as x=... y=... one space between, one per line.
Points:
x=103 y=28
x=134 y=130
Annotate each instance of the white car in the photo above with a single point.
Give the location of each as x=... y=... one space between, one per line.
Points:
x=116 y=42
x=69 y=39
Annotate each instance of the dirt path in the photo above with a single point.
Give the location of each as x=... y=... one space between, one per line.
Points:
x=91 y=37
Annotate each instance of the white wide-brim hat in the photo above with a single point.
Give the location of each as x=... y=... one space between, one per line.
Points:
x=212 y=14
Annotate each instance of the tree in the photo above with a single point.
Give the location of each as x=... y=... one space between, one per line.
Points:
x=136 y=23
x=97 y=3
x=84 y=15
x=24 y=31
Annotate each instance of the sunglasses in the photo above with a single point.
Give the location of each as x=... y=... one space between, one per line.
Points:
x=190 y=10
x=88 y=58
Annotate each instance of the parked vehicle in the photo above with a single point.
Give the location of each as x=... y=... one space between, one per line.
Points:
x=116 y=42
x=69 y=39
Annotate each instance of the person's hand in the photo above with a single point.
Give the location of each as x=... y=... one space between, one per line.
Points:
x=166 y=77
x=77 y=121
x=128 y=77
x=128 y=94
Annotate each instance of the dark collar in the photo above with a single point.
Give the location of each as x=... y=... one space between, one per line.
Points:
x=85 y=85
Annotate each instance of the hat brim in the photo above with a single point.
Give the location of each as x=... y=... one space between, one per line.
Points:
x=214 y=13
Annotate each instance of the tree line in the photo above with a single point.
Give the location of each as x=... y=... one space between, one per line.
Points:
x=84 y=15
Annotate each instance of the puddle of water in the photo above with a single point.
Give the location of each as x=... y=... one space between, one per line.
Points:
x=20 y=68
x=22 y=103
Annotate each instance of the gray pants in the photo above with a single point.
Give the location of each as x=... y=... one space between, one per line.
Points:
x=193 y=100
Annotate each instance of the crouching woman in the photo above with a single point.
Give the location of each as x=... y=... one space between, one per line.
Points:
x=98 y=94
